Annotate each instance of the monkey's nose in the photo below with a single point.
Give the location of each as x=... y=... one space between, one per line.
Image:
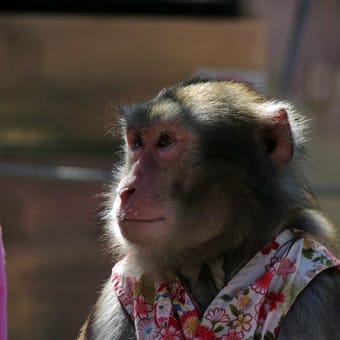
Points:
x=124 y=195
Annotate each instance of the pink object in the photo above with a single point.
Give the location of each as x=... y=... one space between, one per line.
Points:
x=3 y=293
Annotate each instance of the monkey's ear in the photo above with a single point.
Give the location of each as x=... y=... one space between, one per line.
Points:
x=277 y=138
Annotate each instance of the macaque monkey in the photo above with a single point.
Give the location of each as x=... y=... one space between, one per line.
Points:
x=217 y=232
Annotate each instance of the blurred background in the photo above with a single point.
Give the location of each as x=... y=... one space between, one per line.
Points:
x=64 y=65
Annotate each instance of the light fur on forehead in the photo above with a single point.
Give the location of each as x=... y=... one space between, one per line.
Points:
x=217 y=97
x=167 y=109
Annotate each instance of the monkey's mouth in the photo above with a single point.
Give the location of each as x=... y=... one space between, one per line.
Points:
x=143 y=230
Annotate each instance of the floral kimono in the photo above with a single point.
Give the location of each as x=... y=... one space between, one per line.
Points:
x=251 y=306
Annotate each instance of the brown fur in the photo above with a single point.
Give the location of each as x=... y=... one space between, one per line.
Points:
x=237 y=184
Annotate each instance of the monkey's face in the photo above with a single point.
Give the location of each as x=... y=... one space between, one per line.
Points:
x=144 y=206
x=196 y=158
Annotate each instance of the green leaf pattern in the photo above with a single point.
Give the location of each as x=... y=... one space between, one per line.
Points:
x=251 y=306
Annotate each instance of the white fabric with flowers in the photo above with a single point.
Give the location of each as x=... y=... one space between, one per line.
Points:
x=251 y=306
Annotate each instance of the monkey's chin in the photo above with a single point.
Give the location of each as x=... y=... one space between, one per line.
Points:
x=143 y=231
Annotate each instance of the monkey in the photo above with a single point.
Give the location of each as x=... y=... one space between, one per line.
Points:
x=214 y=224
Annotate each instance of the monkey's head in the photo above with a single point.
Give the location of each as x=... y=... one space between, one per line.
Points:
x=206 y=164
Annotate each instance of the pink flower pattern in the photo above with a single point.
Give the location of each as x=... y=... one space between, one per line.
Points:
x=286 y=267
x=168 y=312
x=170 y=334
x=217 y=315
x=141 y=307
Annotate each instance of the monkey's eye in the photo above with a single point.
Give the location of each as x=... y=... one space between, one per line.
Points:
x=164 y=140
x=137 y=142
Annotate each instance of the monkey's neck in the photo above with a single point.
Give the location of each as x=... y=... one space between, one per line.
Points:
x=205 y=282
x=191 y=267
x=223 y=256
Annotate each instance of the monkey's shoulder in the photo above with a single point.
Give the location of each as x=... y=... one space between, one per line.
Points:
x=315 y=313
x=108 y=320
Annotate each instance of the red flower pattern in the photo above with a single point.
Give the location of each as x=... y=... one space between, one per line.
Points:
x=238 y=312
x=273 y=300
x=204 y=333
x=189 y=323
x=272 y=246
